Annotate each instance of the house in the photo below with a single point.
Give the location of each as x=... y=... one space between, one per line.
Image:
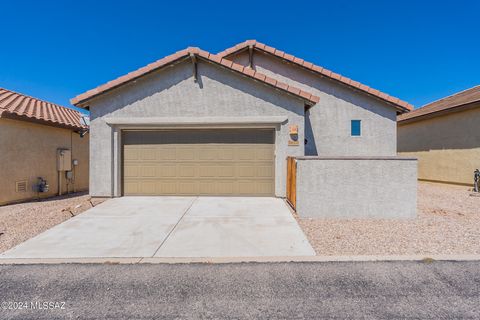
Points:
x=196 y=123
x=34 y=136
x=444 y=135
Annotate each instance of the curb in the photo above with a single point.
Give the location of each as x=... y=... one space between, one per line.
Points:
x=223 y=260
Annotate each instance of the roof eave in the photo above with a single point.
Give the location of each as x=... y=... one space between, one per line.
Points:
x=439 y=113
x=13 y=116
x=84 y=98
x=80 y=101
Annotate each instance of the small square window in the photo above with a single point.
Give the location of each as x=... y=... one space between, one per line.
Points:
x=356 y=128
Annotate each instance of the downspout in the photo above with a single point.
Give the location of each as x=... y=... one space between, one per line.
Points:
x=59 y=182
x=73 y=166
x=250 y=56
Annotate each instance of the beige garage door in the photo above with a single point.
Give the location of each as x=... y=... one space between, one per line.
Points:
x=199 y=162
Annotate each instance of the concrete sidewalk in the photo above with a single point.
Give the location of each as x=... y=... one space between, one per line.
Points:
x=179 y=227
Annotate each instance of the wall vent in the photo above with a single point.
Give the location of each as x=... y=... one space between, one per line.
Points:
x=21 y=186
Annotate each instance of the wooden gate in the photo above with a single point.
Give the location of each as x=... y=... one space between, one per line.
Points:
x=292 y=181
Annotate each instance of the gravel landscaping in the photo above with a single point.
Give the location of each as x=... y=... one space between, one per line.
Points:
x=20 y=222
x=448 y=222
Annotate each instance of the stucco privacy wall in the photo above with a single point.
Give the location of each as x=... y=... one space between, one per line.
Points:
x=172 y=93
x=356 y=187
x=327 y=127
x=447 y=147
x=35 y=157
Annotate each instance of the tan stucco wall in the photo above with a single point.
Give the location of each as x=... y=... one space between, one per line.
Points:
x=28 y=151
x=447 y=147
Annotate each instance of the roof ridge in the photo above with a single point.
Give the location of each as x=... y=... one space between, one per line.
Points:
x=462 y=98
x=445 y=98
x=404 y=106
x=201 y=54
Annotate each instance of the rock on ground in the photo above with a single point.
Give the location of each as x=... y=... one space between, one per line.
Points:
x=448 y=222
x=22 y=221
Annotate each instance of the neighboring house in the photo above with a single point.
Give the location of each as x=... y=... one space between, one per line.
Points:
x=445 y=137
x=32 y=133
x=195 y=123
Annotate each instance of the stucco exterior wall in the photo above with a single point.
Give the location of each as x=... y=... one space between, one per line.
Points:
x=28 y=151
x=447 y=147
x=356 y=188
x=172 y=93
x=328 y=122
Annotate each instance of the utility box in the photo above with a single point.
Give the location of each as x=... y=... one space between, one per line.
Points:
x=64 y=160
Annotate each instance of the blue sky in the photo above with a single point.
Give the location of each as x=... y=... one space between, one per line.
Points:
x=419 y=51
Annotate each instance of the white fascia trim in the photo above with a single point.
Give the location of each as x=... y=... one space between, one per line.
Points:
x=197 y=121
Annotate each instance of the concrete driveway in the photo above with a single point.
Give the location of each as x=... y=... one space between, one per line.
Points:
x=173 y=227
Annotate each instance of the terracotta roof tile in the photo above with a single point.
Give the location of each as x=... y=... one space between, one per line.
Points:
x=401 y=105
x=19 y=106
x=326 y=72
x=298 y=60
x=238 y=67
x=180 y=55
x=259 y=76
x=279 y=53
x=282 y=85
x=271 y=81
x=305 y=94
x=457 y=100
x=336 y=76
x=315 y=99
x=294 y=90
x=215 y=58
x=249 y=72
x=307 y=64
x=259 y=45
x=266 y=48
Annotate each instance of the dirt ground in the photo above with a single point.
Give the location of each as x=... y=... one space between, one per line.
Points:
x=448 y=222
x=20 y=222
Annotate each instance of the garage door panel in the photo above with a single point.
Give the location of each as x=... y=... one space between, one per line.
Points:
x=148 y=171
x=187 y=187
x=130 y=171
x=147 y=154
x=147 y=187
x=246 y=187
x=225 y=188
x=264 y=153
x=245 y=153
x=264 y=171
x=264 y=187
x=226 y=171
x=131 y=153
x=208 y=153
x=185 y=153
x=199 y=162
x=131 y=187
x=207 y=171
x=167 y=187
x=166 y=170
x=166 y=153
x=245 y=171
x=186 y=171
x=226 y=154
